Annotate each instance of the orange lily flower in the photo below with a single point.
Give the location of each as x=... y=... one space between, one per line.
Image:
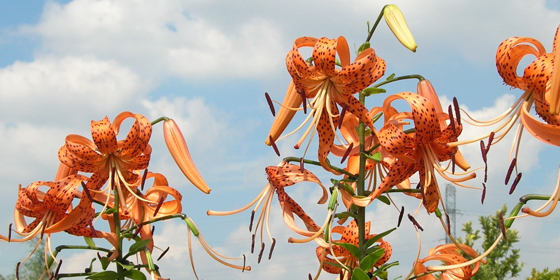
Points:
x=52 y=210
x=423 y=150
x=541 y=86
x=450 y=255
x=105 y=154
x=326 y=86
x=336 y=254
x=279 y=177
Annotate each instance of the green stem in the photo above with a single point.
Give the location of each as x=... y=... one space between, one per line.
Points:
x=370 y=34
x=522 y=201
x=360 y=184
x=160 y=119
x=296 y=159
x=400 y=78
x=117 y=222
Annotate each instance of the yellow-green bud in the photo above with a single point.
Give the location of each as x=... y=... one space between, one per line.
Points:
x=396 y=22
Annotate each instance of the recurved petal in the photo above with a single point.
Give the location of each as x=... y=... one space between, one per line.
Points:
x=509 y=54
x=104 y=136
x=553 y=97
x=137 y=138
x=545 y=132
x=324 y=55
x=426 y=122
x=180 y=153
x=286 y=175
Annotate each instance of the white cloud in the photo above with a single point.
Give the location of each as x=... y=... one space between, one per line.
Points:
x=159 y=39
x=66 y=89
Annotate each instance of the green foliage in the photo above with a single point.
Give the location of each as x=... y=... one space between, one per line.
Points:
x=34 y=267
x=545 y=274
x=503 y=261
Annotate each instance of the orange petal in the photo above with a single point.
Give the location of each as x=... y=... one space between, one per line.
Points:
x=509 y=54
x=553 y=96
x=104 y=136
x=547 y=133
x=180 y=153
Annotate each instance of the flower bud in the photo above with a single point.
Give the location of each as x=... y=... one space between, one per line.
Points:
x=396 y=22
x=178 y=148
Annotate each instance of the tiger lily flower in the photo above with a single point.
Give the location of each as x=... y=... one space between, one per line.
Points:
x=327 y=87
x=280 y=177
x=52 y=210
x=108 y=158
x=421 y=151
x=450 y=255
x=333 y=256
x=540 y=84
x=180 y=152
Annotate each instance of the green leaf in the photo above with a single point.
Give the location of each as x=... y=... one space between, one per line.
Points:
x=377 y=237
x=355 y=251
x=109 y=211
x=126 y=267
x=104 y=262
x=344 y=215
x=375 y=157
x=369 y=261
x=89 y=241
x=104 y=275
x=384 y=199
x=138 y=246
x=373 y=90
x=359 y=274
x=135 y=274
x=363 y=47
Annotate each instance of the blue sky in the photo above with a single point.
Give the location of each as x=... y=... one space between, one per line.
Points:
x=207 y=64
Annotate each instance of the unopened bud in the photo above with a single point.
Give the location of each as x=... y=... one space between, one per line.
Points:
x=178 y=148
x=396 y=22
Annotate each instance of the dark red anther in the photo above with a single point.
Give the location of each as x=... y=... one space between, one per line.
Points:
x=515 y=182
x=457 y=111
x=153 y=229
x=451 y=121
x=260 y=253
x=270 y=104
x=273 y=145
x=144 y=176
x=448 y=223
x=301 y=167
x=483 y=193
x=400 y=216
x=244 y=260
x=490 y=140
x=10 y=233
x=253 y=243
x=483 y=150
x=163 y=254
x=485 y=172
x=502 y=225
x=160 y=202
x=86 y=191
x=303 y=100
x=416 y=224
x=17 y=270
x=341 y=117
x=350 y=147
x=311 y=278
x=251 y=222
x=510 y=170
x=453 y=161
x=272 y=248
